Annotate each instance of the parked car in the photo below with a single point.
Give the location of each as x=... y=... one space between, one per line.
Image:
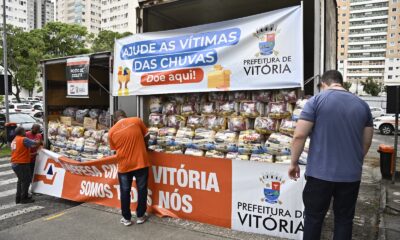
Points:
x=385 y=124
x=37 y=107
x=38 y=116
x=377 y=112
x=21 y=119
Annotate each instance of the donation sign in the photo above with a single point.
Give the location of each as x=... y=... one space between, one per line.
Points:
x=242 y=195
x=77 y=75
x=263 y=51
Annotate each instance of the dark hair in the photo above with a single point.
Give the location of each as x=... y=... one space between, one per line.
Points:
x=332 y=76
x=119 y=113
x=19 y=131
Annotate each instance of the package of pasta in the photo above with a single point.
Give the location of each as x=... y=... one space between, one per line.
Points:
x=194 y=152
x=79 y=144
x=251 y=142
x=188 y=108
x=278 y=110
x=215 y=154
x=175 y=121
x=104 y=149
x=156 y=148
x=278 y=144
x=153 y=133
x=194 y=121
x=284 y=159
x=287 y=127
x=208 y=108
x=156 y=105
x=262 y=96
x=184 y=137
x=104 y=139
x=265 y=125
x=204 y=139
x=237 y=156
x=70 y=143
x=227 y=108
x=171 y=108
x=90 y=145
x=156 y=120
x=98 y=135
x=251 y=109
x=217 y=96
x=214 y=122
x=166 y=136
x=238 y=123
x=226 y=141
x=88 y=133
x=53 y=128
x=264 y=157
x=239 y=96
x=64 y=131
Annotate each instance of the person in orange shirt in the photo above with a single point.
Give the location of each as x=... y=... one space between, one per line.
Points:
x=20 y=163
x=129 y=137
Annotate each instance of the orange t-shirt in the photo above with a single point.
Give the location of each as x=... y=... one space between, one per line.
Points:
x=127 y=137
x=19 y=153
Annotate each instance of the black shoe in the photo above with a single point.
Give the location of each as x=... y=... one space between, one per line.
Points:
x=17 y=200
x=27 y=200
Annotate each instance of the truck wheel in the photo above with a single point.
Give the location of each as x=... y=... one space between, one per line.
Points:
x=386 y=129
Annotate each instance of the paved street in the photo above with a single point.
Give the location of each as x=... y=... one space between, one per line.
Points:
x=11 y=214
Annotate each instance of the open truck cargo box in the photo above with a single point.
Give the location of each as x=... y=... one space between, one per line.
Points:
x=319 y=39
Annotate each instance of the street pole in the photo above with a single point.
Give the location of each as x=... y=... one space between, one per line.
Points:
x=5 y=62
x=396 y=133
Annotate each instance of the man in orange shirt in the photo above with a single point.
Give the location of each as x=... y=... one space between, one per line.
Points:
x=127 y=137
x=20 y=163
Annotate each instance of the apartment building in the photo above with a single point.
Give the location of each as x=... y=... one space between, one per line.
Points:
x=83 y=12
x=369 y=40
x=16 y=13
x=119 y=15
x=40 y=12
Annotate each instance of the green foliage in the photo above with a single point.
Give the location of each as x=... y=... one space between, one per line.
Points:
x=372 y=87
x=104 y=41
x=63 y=39
x=347 y=85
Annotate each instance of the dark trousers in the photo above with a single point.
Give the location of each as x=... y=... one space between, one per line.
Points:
x=317 y=197
x=32 y=166
x=125 y=184
x=23 y=172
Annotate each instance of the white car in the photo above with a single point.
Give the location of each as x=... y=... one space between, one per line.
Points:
x=385 y=124
x=377 y=112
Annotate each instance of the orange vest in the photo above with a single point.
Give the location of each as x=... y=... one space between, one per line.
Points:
x=20 y=153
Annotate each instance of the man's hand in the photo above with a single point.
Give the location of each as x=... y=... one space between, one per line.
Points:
x=294 y=171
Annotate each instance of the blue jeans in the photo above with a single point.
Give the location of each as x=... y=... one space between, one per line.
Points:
x=317 y=197
x=125 y=184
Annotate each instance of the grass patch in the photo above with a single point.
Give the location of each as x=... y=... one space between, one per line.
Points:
x=5 y=151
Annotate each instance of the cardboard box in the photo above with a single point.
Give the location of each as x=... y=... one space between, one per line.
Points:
x=89 y=123
x=219 y=78
x=54 y=118
x=66 y=120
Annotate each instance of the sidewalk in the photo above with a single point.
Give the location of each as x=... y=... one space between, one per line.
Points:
x=390 y=210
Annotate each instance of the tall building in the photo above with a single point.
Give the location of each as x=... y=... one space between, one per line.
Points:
x=369 y=40
x=40 y=12
x=16 y=13
x=119 y=15
x=82 y=12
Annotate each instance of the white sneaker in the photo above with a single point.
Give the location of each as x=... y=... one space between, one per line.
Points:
x=141 y=220
x=125 y=222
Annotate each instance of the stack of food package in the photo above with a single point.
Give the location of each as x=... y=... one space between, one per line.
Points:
x=256 y=126
x=75 y=141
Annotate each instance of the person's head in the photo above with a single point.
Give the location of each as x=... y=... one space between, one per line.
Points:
x=329 y=78
x=35 y=128
x=118 y=115
x=20 y=131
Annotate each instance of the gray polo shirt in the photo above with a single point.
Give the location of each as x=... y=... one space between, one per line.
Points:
x=336 y=148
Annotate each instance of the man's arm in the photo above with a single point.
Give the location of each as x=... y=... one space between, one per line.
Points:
x=30 y=143
x=367 y=139
x=303 y=129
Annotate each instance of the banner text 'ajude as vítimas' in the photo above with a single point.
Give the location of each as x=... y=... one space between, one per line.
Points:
x=242 y=195
x=263 y=51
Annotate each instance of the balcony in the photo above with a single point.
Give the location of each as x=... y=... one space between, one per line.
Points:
x=363 y=2
x=368 y=9
x=368 y=34
x=365 y=15
x=368 y=25
x=365 y=74
x=367 y=50
x=366 y=66
x=368 y=30
x=367 y=41
x=369 y=17
x=370 y=6
x=366 y=47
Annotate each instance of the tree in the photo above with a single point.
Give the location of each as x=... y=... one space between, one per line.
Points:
x=104 y=41
x=371 y=86
x=347 y=85
x=63 y=39
x=24 y=51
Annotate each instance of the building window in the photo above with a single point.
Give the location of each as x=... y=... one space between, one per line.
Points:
x=344 y=15
x=394 y=9
x=393 y=26
x=390 y=68
x=341 y=54
x=342 y=38
x=390 y=76
x=392 y=35
x=343 y=30
x=343 y=22
x=391 y=51
x=341 y=46
x=392 y=44
x=394 y=18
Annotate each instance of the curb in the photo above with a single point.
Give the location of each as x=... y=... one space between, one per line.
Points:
x=381 y=214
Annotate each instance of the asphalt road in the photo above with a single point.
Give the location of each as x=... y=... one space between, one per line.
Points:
x=12 y=214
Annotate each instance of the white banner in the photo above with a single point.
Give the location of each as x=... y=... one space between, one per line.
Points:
x=263 y=51
x=266 y=201
x=49 y=174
